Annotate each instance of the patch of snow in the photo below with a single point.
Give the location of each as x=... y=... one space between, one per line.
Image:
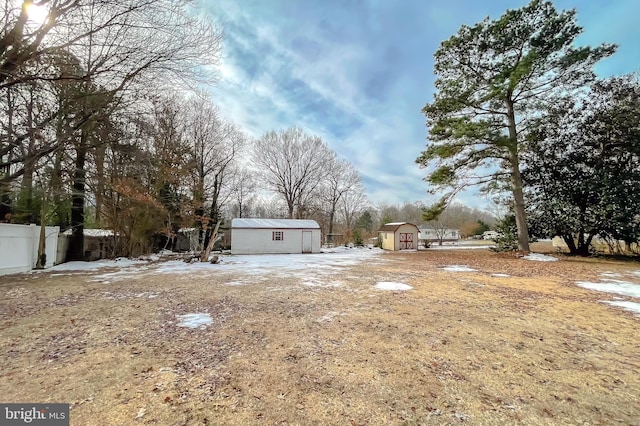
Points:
x=618 y=287
x=317 y=282
x=317 y=270
x=623 y=288
x=388 y=285
x=113 y=276
x=194 y=320
x=93 y=232
x=610 y=274
x=120 y=262
x=540 y=257
x=301 y=265
x=458 y=268
x=629 y=306
x=500 y=275
x=329 y=317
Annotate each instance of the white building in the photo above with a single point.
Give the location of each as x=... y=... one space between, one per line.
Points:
x=431 y=235
x=490 y=235
x=260 y=236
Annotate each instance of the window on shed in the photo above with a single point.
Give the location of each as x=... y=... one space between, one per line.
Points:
x=277 y=236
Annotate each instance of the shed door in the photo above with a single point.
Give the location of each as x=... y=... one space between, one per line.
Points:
x=306 y=242
x=406 y=241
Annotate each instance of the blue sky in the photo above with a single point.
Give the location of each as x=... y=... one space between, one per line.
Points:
x=358 y=72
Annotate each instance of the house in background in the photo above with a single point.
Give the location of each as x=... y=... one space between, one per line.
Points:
x=98 y=244
x=430 y=235
x=261 y=236
x=490 y=235
x=399 y=236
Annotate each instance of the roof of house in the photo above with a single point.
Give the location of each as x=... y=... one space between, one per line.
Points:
x=274 y=223
x=393 y=226
x=93 y=232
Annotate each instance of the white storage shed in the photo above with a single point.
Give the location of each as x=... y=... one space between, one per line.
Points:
x=260 y=236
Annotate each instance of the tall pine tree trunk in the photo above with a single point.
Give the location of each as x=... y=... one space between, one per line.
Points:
x=516 y=183
x=61 y=217
x=26 y=202
x=75 y=251
x=100 y=185
x=5 y=187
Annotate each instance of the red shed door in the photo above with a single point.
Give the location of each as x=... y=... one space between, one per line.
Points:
x=406 y=241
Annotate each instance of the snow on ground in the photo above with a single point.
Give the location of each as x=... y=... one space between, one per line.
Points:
x=120 y=262
x=388 y=285
x=623 y=288
x=629 y=306
x=319 y=282
x=329 y=316
x=540 y=257
x=194 y=320
x=617 y=286
x=291 y=264
x=611 y=274
x=236 y=283
x=458 y=268
x=313 y=270
x=500 y=275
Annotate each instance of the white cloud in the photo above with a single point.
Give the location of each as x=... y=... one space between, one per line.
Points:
x=355 y=75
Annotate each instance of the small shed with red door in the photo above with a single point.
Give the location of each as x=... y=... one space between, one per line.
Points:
x=399 y=236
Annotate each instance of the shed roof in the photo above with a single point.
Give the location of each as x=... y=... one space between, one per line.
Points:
x=87 y=232
x=429 y=228
x=274 y=223
x=393 y=226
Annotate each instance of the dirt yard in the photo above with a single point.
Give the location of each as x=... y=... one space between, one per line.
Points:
x=324 y=346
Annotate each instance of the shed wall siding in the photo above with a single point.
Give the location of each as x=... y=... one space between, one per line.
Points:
x=406 y=229
x=388 y=240
x=259 y=241
x=391 y=240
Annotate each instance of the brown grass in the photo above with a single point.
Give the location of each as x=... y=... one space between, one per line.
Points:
x=470 y=348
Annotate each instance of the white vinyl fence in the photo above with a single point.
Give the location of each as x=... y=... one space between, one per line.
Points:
x=19 y=247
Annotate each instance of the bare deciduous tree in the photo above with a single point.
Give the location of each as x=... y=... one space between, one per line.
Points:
x=352 y=204
x=341 y=178
x=215 y=145
x=292 y=164
x=243 y=189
